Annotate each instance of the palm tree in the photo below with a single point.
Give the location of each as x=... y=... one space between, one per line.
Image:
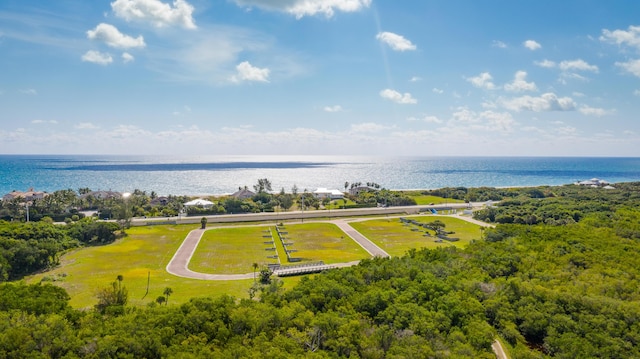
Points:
x=167 y=292
x=255 y=267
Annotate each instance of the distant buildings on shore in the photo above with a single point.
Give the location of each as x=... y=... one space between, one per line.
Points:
x=596 y=183
x=27 y=196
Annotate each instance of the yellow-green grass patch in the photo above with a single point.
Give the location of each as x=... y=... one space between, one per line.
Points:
x=422 y=199
x=322 y=241
x=146 y=250
x=396 y=238
x=233 y=250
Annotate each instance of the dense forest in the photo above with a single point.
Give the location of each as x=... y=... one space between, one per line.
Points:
x=547 y=290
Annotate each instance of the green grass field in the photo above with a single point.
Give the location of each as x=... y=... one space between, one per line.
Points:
x=233 y=250
x=396 y=239
x=323 y=241
x=146 y=250
x=422 y=199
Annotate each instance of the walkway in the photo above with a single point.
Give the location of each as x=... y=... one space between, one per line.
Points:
x=178 y=265
x=363 y=241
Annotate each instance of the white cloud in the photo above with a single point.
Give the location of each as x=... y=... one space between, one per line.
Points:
x=335 y=108
x=636 y=92
x=415 y=79
x=301 y=8
x=520 y=83
x=97 y=57
x=127 y=57
x=531 y=45
x=397 y=97
x=53 y=122
x=369 y=127
x=577 y=94
x=499 y=44
x=592 y=111
x=156 y=12
x=485 y=121
x=484 y=80
x=247 y=72
x=577 y=65
x=427 y=119
x=111 y=36
x=632 y=66
x=545 y=102
x=620 y=37
x=86 y=126
x=395 y=41
x=437 y=90
x=32 y=92
x=546 y=63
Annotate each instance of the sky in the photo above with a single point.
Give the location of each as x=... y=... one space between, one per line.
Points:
x=320 y=77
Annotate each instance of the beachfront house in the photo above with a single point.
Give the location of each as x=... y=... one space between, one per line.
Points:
x=243 y=193
x=203 y=203
x=332 y=194
x=27 y=196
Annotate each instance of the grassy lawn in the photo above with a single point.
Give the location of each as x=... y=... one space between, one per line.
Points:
x=422 y=199
x=322 y=241
x=233 y=250
x=396 y=238
x=147 y=250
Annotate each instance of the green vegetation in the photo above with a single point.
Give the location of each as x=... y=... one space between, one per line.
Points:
x=233 y=250
x=551 y=288
x=26 y=248
x=143 y=254
x=323 y=241
x=396 y=237
x=425 y=199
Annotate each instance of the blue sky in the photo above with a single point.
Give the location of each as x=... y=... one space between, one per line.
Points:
x=320 y=77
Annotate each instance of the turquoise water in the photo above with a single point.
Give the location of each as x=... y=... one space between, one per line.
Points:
x=224 y=174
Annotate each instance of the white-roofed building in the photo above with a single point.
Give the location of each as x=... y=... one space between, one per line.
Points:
x=328 y=193
x=199 y=203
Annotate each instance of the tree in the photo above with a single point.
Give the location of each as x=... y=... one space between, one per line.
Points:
x=265 y=276
x=161 y=299
x=167 y=293
x=263 y=185
x=203 y=223
x=113 y=299
x=255 y=267
x=346 y=184
x=285 y=201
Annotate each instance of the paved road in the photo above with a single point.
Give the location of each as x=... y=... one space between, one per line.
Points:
x=281 y=216
x=178 y=265
x=363 y=241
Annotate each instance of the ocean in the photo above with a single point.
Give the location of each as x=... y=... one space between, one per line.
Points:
x=213 y=175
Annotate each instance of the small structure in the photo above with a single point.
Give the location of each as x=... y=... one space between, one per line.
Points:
x=328 y=193
x=102 y=194
x=594 y=182
x=27 y=196
x=199 y=203
x=243 y=193
x=159 y=201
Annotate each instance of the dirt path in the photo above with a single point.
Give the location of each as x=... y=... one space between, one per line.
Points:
x=499 y=350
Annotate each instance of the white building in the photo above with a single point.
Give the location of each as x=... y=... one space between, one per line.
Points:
x=199 y=203
x=328 y=193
